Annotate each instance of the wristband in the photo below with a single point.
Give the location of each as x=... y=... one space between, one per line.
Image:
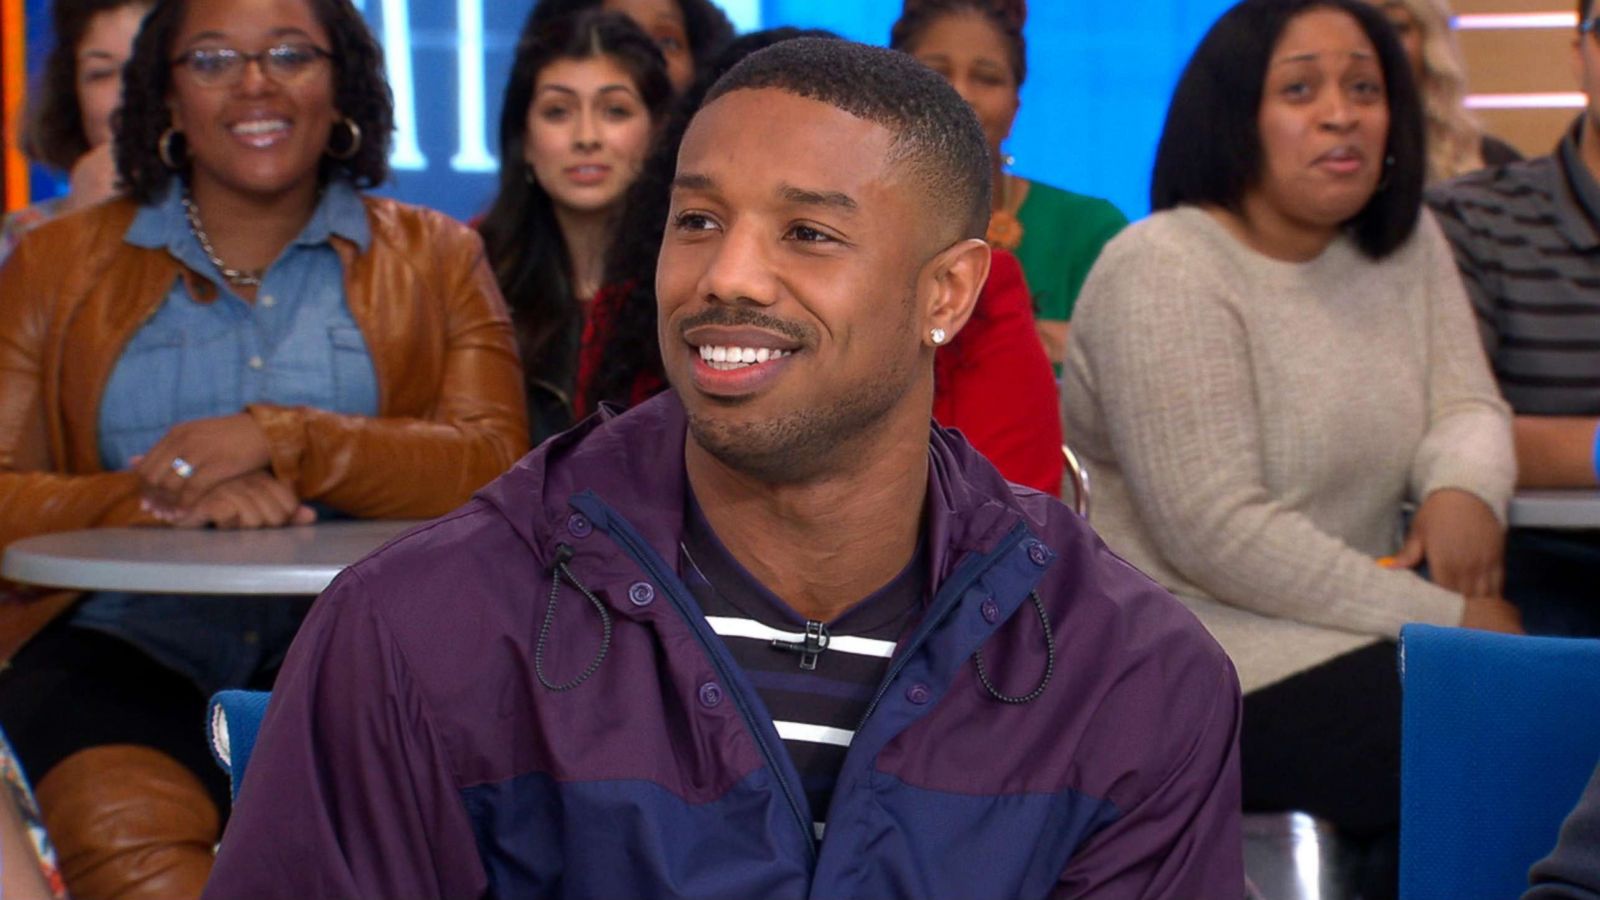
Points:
x=1594 y=458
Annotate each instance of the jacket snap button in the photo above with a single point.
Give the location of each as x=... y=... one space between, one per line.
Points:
x=919 y=694
x=990 y=610
x=578 y=525
x=1038 y=553
x=642 y=593
x=710 y=695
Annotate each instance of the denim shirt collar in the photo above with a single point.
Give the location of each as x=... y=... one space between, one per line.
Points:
x=339 y=212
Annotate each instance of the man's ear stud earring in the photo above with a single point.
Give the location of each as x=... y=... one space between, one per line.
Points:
x=938 y=336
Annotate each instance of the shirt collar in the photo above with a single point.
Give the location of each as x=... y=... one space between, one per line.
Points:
x=1578 y=208
x=339 y=213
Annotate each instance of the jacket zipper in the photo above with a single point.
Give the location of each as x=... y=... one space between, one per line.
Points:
x=647 y=557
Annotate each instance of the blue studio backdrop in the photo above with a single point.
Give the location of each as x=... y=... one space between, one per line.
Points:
x=1099 y=78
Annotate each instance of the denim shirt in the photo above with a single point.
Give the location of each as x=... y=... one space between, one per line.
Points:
x=296 y=345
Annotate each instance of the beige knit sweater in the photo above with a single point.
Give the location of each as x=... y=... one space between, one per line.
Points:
x=1251 y=428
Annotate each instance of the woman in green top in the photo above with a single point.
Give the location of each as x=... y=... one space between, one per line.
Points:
x=977 y=46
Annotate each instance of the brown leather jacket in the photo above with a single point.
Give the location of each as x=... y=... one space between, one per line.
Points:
x=451 y=413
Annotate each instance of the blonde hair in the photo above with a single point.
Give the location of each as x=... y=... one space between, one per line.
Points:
x=1455 y=139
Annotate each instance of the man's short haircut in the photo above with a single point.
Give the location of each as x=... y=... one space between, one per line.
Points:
x=1210 y=151
x=936 y=134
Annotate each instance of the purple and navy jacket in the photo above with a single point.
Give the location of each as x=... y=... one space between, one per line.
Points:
x=411 y=750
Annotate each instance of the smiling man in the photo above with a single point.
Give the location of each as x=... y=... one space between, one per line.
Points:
x=772 y=634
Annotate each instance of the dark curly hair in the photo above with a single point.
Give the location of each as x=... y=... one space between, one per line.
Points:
x=360 y=92
x=524 y=242
x=52 y=133
x=707 y=25
x=632 y=351
x=1210 y=148
x=1007 y=17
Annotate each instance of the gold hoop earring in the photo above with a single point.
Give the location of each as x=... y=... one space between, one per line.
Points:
x=355 y=142
x=164 y=148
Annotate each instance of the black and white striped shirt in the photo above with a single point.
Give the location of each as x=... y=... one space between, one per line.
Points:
x=1526 y=238
x=815 y=710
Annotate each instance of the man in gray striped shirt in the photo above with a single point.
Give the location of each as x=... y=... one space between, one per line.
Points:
x=1527 y=240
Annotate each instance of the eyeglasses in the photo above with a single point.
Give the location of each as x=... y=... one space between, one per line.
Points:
x=224 y=66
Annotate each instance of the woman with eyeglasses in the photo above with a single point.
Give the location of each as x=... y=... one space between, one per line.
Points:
x=244 y=341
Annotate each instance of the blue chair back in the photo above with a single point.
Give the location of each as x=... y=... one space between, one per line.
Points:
x=1499 y=736
x=234 y=722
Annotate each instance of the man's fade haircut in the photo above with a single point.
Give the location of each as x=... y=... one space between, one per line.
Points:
x=936 y=134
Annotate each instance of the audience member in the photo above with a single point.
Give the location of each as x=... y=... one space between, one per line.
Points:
x=1456 y=142
x=585 y=97
x=992 y=381
x=242 y=341
x=1525 y=237
x=689 y=33
x=69 y=117
x=1572 y=870
x=793 y=643
x=1266 y=370
x=977 y=46
x=28 y=869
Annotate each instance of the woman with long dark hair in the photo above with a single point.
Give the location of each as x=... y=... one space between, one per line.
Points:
x=585 y=98
x=689 y=33
x=1263 y=374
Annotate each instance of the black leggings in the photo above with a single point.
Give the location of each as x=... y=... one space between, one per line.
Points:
x=71 y=689
x=1327 y=742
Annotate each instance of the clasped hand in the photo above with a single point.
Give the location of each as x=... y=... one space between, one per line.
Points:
x=228 y=483
x=1462 y=542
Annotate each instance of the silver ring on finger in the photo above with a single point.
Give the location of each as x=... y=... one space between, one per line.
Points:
x=182 y=468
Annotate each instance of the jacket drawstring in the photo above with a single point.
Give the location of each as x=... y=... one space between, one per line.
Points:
x=558 y=569
x=1049 y=661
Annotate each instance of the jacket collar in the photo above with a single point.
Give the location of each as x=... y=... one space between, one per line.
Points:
x=633 y=462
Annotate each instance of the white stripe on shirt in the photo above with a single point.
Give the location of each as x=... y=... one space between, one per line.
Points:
x=816 y=734
x=732 y=626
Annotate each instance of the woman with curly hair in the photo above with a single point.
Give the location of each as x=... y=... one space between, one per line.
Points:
x=68 y=126
x=689 y=33
x=977 y=46
x=242 y=341
x=1456 y=142
x=586 y=95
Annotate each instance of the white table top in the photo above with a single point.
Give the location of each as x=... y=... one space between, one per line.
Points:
x=296 y=560
x=1564 y=508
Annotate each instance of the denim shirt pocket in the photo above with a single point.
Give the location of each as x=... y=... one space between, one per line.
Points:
x=355 y=384
x=143 y=388
x=211 y=376
x=140 y=401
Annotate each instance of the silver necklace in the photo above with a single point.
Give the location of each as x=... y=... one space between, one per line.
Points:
x=235 y=277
